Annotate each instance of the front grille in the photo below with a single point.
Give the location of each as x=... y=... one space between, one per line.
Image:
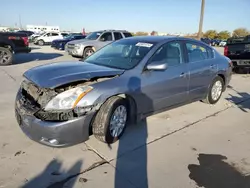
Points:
x=30 y=98
x=70 y=46
x=30 y=92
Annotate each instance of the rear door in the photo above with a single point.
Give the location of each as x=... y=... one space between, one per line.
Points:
x=202 y=68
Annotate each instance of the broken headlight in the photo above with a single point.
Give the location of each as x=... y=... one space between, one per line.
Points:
x=68 y=99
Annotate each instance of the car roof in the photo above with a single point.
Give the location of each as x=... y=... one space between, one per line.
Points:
x=111 y=30
x=152 y=39
x=158 y=39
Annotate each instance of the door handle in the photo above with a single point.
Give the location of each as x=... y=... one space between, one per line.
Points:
x=183 y=75
x=212 y=66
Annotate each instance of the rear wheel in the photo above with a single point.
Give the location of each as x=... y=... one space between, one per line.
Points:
x=6 y=56
x=111 y=120
x=215 y=91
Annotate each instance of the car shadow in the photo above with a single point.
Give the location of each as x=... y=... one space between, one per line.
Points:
x=35 y=56
x=35 y=48
x=240 y=99
x=53 y=176
x=214 y=172
x=133 y=165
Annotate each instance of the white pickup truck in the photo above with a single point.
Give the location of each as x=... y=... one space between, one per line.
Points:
x=47 y=38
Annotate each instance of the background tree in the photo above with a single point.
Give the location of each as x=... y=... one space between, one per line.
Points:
x=210 y=34
x=140 y=33
x=240 y=32
x=223 y=35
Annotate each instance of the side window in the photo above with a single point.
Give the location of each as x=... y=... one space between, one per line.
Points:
x=48 y=35
x=196 y=52
x=170 y=52
x=117 y=35
x=54 y=34
x=106 y=37
x=127 y=35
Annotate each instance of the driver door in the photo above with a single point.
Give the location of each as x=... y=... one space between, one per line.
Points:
x=104 y=39
x=166 y=88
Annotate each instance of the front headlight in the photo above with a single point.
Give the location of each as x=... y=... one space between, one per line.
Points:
x=68 y=99
x=78 y=45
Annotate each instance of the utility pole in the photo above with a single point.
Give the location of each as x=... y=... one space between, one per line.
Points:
x=201 y=19
x=20 y=22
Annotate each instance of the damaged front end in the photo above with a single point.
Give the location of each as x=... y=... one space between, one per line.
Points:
x=33 y=100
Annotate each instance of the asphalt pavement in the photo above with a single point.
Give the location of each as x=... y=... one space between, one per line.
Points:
x=197 y=145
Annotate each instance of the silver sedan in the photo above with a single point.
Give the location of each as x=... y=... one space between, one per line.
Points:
x=60 y=104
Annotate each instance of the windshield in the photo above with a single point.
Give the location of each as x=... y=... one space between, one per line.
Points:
x=93 y=36
x=68 y=37
x=123 y=54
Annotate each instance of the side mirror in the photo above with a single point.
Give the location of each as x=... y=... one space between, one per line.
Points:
x=102 y=39
x=157 y=65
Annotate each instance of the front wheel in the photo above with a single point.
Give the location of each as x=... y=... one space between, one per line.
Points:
x=40 y=42
x=111 y=120
x=6 y=56
x=215 y=91
x=87 y=52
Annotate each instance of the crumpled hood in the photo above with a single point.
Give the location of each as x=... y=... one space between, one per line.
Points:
x=57 y=74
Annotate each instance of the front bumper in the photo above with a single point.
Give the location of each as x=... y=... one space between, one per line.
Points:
x=241 y=63
x=25 y=49
x=59 y=46
x=78 y=52
x=54 y=134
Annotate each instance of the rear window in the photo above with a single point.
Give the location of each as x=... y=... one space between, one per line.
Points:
x=196 y=52
x=210 y=53
x=127 y=35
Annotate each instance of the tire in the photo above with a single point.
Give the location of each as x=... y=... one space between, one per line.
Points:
x=86 y=51
x=40 y=42
x=6 y=56
x=209 y=99
x=101 y=126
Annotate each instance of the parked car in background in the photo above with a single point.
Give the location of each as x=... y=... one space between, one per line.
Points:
x=238 y=50
x=12 y=43
x=223 y=43
x=33 y=37
x=59 y=104
x=215 y=42
x=60 y=43
x=47 y=38
x=94 y=41
x=206 y=40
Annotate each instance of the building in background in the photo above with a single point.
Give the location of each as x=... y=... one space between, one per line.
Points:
x=42 y=28
x=4 y=28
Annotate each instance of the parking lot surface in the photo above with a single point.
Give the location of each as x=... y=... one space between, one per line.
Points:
x=197 y=145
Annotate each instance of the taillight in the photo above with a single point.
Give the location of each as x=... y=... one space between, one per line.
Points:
x=26 y=41
x=11 y=38
x=226 y=51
